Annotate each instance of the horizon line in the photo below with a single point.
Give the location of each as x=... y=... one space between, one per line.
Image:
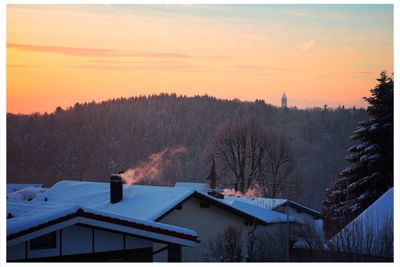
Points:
x=148 y=96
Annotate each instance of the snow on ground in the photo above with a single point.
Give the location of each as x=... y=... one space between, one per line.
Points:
x=315 y=238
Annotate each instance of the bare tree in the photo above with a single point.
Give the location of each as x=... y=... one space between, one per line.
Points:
x=226 y=247
x=266 y=245
x=256 y=244
x=370 y=236
x=278 y=164
x=256 y=155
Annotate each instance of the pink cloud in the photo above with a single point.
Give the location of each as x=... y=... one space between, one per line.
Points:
x=92 y=52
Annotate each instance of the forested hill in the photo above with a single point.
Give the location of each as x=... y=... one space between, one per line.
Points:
x=92 y=140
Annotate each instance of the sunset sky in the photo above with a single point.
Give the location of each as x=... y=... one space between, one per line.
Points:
x=62 y=54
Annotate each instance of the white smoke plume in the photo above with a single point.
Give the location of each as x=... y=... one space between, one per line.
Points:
x=153 y=168
x=251 y=192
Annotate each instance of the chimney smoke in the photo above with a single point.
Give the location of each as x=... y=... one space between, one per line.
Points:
x=152 y=169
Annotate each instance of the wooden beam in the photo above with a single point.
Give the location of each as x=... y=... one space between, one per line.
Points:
x=160 y=250
x=92 y=240
x=60 y=242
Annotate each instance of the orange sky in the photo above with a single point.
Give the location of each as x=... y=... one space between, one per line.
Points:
x=317 y=54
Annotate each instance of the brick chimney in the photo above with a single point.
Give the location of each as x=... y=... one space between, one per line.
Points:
x=115 y=188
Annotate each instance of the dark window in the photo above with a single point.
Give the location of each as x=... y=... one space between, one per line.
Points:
x=46 y=241
x=204 y=205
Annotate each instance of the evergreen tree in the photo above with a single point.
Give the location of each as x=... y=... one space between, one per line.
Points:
x=371 y=171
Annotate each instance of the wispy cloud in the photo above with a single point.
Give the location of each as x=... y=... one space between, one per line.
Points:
x=359 y=72
x=150 y=25
x=20 y=66
x=319 y=14
x=140 y=67
x=249 y=68
x=93 y=52
x=99 y=52
x=130 y=62
x=307 y=46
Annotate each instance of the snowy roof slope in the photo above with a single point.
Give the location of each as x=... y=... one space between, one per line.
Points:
x=261 y=213
x=39 y=214
x=26 y=193
x=15 y=187
x=196 y=186
x=36 y=215
x=266 y=203
x=29 y=208
x=271 y=203
x=46 y=216
x=369 y=225
x=266 y=215
x=139 y=201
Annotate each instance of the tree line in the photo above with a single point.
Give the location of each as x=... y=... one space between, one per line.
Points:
x=88 y=141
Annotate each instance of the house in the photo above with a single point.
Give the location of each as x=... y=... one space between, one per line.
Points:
x=371 y=232
x=45 y=230
x=302 y=213
x=190 y=214
x=368 y=238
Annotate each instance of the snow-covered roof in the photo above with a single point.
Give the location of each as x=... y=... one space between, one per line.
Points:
x=195 y=186
x=26 y=193
x=266 y=203
x=30 y=208
x=33 y=217
x=270 y=203
x=141 y=204
x=139 y=201
x=11 y=187
x=369 y=225
x=30 y=215
x=265 y=215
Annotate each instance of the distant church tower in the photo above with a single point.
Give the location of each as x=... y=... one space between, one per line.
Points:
x=284 y=101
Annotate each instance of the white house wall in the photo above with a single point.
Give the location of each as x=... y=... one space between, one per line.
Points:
x=16 y=252
x=77 y=239
x=207 y=222
x=107 y=241
x=301 y=216
x=133 y=243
